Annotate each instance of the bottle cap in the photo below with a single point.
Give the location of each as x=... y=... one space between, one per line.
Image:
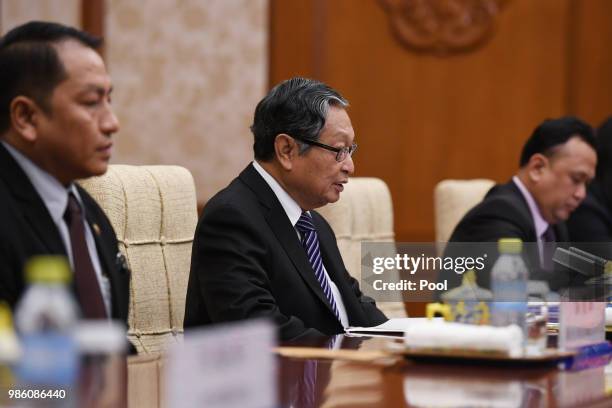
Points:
x=48 y=269
x=510 y=245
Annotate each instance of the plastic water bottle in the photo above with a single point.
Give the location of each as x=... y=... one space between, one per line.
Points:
x=509 y=285
x=45 y=319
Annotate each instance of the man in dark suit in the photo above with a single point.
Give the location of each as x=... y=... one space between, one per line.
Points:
x=260 y=250
x=556 y=164
x=55 y=127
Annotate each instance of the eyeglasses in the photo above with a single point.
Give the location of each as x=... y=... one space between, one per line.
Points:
x=341 y=152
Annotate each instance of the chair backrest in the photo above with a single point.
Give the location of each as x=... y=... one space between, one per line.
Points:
x=153 y=211
x=363 y=213
x=453 y=199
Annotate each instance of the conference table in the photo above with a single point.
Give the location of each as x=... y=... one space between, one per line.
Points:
x=357 y=372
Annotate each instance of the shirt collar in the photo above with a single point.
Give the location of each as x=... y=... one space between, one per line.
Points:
x=541 y=225
x=50 y=190
x=292 y=209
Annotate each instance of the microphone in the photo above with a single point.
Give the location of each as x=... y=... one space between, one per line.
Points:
x=582 y=262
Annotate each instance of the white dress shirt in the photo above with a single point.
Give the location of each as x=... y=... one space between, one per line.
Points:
x=294 y=212
x=55 y=197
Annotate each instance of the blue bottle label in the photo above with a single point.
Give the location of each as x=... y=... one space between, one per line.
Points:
x=48 y=358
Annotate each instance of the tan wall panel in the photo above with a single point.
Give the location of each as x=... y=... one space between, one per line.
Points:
x=187 y=77
x=15 y=12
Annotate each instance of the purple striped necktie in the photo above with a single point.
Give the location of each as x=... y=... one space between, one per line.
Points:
x=310 y=242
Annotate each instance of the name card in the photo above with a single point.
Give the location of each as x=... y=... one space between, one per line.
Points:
x=581 y=324
x=229 y=365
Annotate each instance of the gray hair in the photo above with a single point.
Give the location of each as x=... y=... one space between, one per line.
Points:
x=297 y=107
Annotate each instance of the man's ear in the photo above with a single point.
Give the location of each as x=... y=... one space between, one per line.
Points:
x=536 y=166
x=24 y=117
x=286 y=150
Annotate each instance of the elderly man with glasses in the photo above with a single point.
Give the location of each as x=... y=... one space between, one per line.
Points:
x=260 y=250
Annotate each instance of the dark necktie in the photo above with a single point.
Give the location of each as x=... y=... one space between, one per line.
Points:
x=310 y=242
x=87 y=286
x=549 y=239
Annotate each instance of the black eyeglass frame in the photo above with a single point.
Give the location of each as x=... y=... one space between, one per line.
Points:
x=346 y=151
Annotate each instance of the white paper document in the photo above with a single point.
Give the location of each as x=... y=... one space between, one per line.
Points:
x=391 y=328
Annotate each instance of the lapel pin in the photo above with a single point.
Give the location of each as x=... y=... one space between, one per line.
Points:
x=96 y=229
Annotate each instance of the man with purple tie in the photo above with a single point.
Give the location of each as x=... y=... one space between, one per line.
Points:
x=260 y=249
x=556 y=164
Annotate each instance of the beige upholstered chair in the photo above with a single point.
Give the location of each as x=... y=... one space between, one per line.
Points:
x=453 y=199
x=153 y=211
x=363 y=213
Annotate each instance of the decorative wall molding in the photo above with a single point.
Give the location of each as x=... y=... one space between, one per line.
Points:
x=443 y=27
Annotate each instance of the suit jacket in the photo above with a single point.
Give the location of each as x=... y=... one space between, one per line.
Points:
x=27 y=229
x=248 y=262
x=504 y=213
x=590 y=226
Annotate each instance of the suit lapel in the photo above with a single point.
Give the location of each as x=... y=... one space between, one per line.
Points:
x=32 y=206
x=42 y=224
x=283 y=230
x=561 y=232
x=287 y=237
x=335 y=269
x=107 y=253
x=512 y=193
x=333 y=265
x=106 y=258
